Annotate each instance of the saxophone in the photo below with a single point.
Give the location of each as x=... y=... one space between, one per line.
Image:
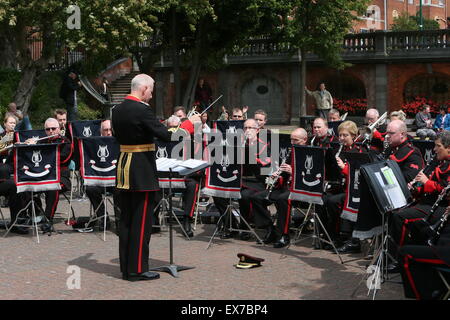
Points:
x=6 y=141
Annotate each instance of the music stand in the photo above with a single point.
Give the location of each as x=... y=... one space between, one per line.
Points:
x=308 y=186
x=388 y=186
x=35 y=182
x=98 y=158
x=173 y=268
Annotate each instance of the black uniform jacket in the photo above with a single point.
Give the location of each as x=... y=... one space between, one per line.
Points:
x=408 y=158
x=135 y=127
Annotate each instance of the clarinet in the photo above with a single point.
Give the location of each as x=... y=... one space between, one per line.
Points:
x=436 y=229
x=436 y=203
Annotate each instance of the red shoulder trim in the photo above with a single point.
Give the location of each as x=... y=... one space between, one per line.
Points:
x=393 y=157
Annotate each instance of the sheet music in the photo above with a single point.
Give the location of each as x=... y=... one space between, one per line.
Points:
x=165 y=164
x=392 y=188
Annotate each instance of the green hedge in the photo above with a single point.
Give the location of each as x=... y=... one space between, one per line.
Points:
x=45 y=98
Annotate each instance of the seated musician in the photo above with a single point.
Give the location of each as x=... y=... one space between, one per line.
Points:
x=6 y=139
x=407 y=156
x=372 y=116
x=427 y=190
x=7 y=185
x=252 y=182
x=420 y=277
x=334 y=203
x=94 y=193
x=321 y=137
x=190 y=193
x=180 y=112
x=333 y=115
x=61 y=116
x=280 y=196
x=53 y=131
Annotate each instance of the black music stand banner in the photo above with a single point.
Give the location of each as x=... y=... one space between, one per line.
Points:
x=172 y=150
x=98 y=159
x=224 y=177
x=352 y=192
x=85 y=128
x=228 y=126
x=37 y=167
x=308 y=170
x=426 y=147
x=333 y=127
x=23 y=135
x=285 y=147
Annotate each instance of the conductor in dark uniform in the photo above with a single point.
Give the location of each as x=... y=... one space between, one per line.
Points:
x=135 y=127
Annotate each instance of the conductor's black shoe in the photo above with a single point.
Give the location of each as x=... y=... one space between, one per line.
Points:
x=282 y=242
x=393 y=267
x=350 y=247
x=149 y=275
x=19 y=230
x=187 y=227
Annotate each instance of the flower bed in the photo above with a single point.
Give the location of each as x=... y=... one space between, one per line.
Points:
x=413 y=107
x=354 y=107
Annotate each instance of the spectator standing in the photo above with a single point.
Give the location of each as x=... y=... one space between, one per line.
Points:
x=68 y=93
x=324 y=100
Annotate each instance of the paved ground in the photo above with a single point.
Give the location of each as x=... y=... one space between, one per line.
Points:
x=29 y=270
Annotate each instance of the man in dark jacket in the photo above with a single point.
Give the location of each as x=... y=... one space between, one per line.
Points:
x=68 y=93
x=135 y=127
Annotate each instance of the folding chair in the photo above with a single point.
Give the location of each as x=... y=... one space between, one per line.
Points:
x=441 y=271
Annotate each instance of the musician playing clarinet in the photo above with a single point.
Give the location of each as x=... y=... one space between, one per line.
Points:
x=427 y=190
x=321 y=137
x=280 y=196
x=333 y=204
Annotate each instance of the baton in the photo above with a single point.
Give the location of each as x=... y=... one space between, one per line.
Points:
x=212 y=104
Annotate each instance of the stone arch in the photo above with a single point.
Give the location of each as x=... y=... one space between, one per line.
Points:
x=435 y=86
x=262 y=91
x=345 y=86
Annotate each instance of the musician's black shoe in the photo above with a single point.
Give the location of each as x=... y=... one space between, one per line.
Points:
x=187 y=227
x=350 y=247
x=244 y=236
x=269 y=237
x=19 y=230
x=47 y=227
x=393 y=267
x=149 y=275
x=101 y=224
x=282 y=242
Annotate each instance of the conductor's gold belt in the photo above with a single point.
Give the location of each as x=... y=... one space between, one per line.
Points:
x=137 y=147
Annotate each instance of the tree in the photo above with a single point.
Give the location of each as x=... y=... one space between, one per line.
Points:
x=319 y=27
x=405 y=22
x=108 y=29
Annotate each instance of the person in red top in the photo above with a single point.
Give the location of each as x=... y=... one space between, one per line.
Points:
x=427 y=189
x=333 y=203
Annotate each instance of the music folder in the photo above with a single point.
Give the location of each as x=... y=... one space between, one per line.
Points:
x=387 y=184
x=179 y=168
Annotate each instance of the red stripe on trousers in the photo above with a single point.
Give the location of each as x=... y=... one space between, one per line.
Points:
x=55 y=205
x=288 y=217
x=141 y=240
x=195 y=201
x=410 y=278
x=402 y=237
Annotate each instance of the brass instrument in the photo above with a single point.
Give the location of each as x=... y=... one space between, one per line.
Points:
x=344 y=116
x=368 y=130
x=312 y=140
x=6 y=141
